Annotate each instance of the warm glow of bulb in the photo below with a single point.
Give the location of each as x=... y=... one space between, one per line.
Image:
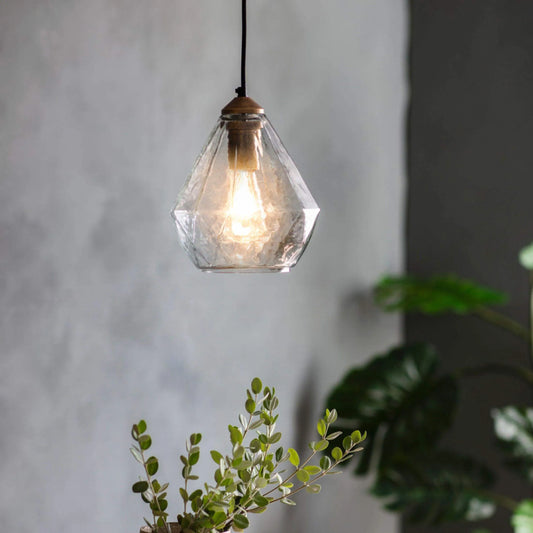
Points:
x=245 y=220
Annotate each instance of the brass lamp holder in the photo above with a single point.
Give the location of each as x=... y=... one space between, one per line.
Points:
x=243 y=133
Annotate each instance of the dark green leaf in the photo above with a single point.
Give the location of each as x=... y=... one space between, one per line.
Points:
x=141 y=427
x=196 y=494
x=321 y=445
x=250 y=406
x=275 y=438
x=235 y=434
x=399 y=394
x=241 y=521
x=336 y=453
x=257 y=386
x=325 y=462
x=152 y=465
x=260 y=500
x=437 y=488
x=140 y=486
x=438 y=294
x=279 y=454
x=195 y=438
x=145 y=441
x=193 y=458
x=514 y=429
x=357 y=437
x=219 y=517
x=331 y=416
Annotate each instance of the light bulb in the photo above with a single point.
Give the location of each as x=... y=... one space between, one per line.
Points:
x=246 y=216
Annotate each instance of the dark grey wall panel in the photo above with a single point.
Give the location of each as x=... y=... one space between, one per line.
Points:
x=471 y=192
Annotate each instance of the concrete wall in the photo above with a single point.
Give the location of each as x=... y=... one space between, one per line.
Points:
x=470 y=163
x=104 y=106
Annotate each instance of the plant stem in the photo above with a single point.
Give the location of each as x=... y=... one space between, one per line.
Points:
x=499 y=499
x=495 y=368
x=531 y=315
x=503 y=321
x=291 y=476
x=149 y=479
x=317 y=477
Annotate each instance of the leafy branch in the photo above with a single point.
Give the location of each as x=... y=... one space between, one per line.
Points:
x=151 y=491
x=249 y=478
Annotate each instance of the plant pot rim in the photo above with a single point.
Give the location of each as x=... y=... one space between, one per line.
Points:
x=174 y=528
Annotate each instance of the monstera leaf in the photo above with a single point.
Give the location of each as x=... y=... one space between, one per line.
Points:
x=438 y=294
x=522 y=519
x=396 y=395
x=436 y=488
x=514 y=430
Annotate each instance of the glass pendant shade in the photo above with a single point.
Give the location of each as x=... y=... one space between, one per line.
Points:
x=244 y=207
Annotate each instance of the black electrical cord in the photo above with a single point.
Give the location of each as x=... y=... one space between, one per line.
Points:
x=241 y=91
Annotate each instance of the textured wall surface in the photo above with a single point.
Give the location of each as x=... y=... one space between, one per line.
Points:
x=470 y=186
x=104 y=106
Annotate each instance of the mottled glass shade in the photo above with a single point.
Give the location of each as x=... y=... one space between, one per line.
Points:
x=245 y=207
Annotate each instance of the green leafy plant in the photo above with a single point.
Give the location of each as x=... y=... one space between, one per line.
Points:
x=256 y=473
x=407 y=404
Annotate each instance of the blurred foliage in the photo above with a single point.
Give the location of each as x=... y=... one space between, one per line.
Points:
x=435 y=295
x=514 y=430
x=437 y=488
x=406 y=403
x=399 y=396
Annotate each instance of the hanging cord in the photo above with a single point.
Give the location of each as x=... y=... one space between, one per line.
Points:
x=241 y=91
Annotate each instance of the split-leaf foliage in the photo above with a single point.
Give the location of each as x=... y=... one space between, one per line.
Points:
x=408 y=403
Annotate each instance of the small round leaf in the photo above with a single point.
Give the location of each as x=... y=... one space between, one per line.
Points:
x=257 y=386
x=140 y=486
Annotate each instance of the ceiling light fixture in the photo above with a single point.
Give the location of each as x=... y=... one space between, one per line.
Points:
x=244 y=207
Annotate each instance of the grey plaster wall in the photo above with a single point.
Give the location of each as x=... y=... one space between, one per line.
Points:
x=470 y=191
x=104 y=106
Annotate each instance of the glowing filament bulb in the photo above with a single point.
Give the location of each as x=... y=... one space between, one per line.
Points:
x=245 y=214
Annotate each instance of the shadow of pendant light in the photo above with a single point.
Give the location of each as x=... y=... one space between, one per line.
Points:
x=244 y=207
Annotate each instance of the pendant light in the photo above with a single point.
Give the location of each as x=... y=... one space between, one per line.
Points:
x=244 y=207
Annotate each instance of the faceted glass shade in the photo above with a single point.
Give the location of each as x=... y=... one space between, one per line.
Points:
x=244 y=207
